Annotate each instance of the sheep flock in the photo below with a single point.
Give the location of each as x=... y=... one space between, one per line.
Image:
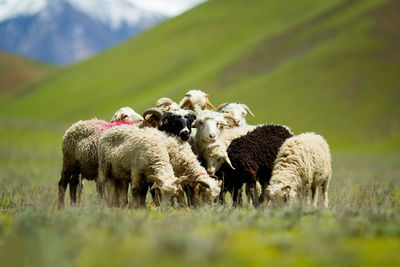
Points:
x=190 y=154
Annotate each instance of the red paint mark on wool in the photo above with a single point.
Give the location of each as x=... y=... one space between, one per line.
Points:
x=114 y=124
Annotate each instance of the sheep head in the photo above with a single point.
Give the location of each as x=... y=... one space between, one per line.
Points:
x=126 y=114
x=168 y=187
x=281 y=194
x=210 y=123
x=237 y=110
x=215 y=156
x=178 y=123
x=196 y=100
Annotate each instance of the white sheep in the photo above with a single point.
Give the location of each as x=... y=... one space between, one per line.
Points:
x=195 y=100
x=128 y=154
x=79 y=148
x=237 y=110
x=302 y=165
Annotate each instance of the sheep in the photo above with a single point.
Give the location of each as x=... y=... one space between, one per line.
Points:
x=252 y=157
x=196 y=100
x=184 y=163
x=302 y=165
x=177 y=122
x=128 y=154
x=79 y=148
x=237 y=110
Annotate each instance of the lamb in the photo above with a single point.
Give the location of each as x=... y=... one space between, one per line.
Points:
x=302 y=165
x=79 y=148
x=252 y=156
x=128 y=154
x=196 y=100
x=237 y=110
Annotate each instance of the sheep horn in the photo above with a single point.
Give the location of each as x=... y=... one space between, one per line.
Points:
x=208 y=104
x=203 y=184
x=207 y=95
x=155 y=179
x=164 y=101
x=230 y=117
x=156 y=112
x=222 y=106
x=227 y=160
x=248 y=110
x=181 y=180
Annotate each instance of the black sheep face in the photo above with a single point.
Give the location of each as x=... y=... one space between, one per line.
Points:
x=179 y=124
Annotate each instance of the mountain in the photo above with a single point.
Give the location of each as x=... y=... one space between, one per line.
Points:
x=326 y=66
x=67 y=31
x=17 y=72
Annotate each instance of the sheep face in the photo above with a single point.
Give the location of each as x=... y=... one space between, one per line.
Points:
x=216 y=156
x=196 y=100
x=178 y=123
x=126 y=114
x=281 y=194
x=209 y=125
x=210 y=187
x=237 y=110
x=167 y=187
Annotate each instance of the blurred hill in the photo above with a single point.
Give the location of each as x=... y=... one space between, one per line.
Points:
x=16 y=72
x=326 y=66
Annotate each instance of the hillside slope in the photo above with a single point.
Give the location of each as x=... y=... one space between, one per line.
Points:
x=325 y=66
x=15 y=72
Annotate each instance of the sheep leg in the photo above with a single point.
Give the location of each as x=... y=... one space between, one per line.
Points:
x=62 y=186
x=156 y=197
x=143 y=193
x=237 y=196
x=190 y=196
x=325 y=186
x=73 y=185
x=80 y=189
x=314 y=193
x=122 y=193
x=253 y=194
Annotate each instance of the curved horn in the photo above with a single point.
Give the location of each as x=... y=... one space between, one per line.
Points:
x=155 y=179
x=208 y=104
x=207 y=95
x=155 y=112
x=248 y=110
x=180 y=180
x=203 y=184
x=227 y=160
x=164 y=101
x=230 y=117
x=222 y=106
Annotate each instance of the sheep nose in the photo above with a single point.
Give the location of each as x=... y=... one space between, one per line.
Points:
x=210 y=172
x=212 y=136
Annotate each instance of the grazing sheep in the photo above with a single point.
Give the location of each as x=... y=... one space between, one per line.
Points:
x=132 y=155
x=79 y=148
x=302 y=165
x=252 y=156
x=237 y=110
x=195 y=100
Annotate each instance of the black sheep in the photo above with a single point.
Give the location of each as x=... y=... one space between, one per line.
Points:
x=253 y=157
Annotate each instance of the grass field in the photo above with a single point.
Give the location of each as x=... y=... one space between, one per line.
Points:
x=330 y=66
x=361 y=227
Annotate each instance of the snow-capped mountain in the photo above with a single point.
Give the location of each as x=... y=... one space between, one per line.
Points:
x=66 y=31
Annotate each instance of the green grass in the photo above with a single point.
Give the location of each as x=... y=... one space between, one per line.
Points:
x=361 y=227
x=325 y=66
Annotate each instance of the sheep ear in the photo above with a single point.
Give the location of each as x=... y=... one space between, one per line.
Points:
x=228 y=161
x=180 y=180
x=248 y=110
x=203 y=184
x=185 y=103
x=155 y=179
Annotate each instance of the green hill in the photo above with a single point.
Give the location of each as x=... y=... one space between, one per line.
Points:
x=325 y=66
x=17 y=72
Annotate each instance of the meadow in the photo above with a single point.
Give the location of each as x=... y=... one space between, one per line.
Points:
x=326 y=66
x=360 y=228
